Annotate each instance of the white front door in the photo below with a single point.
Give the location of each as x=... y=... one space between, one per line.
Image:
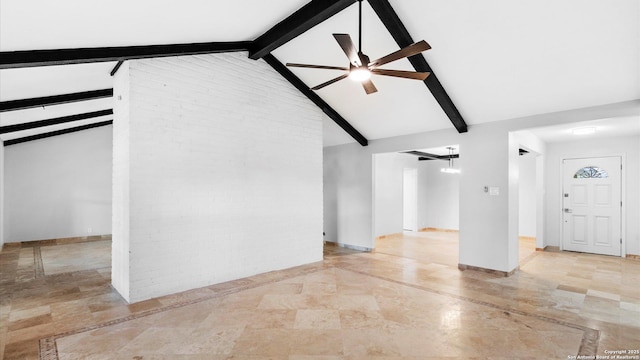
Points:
x=592 y=205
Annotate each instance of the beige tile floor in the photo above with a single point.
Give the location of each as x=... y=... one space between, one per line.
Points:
x=76 y=257
x=439 y=247
x=407 y=300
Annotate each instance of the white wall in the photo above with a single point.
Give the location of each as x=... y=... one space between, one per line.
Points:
x=120 y=244
x=442 y=201
x=348 y=194
x=224 y=173
x=58 y=187
x=484 y=219
x=488 y=233
x=626 y=146
x=527 y=195
x=1 y=194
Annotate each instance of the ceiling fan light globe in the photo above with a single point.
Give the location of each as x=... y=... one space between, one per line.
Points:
x=360 y=74
x=450 y=170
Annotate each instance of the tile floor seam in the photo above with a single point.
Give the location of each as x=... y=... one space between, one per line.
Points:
x=403 y=257
x=528 y=258
x=37 y=263
x=588 y=345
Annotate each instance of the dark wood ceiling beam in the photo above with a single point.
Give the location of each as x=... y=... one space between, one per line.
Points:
x=115 y=68
x=442 y=157
x=400 y=34
x=304 y=89
x=54 y=100
x=56 y=133
x=297 y=23
x=55 y=121
x=428 y=156
x=30 y=58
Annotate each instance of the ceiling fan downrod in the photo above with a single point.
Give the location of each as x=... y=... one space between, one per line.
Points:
x=360 y=26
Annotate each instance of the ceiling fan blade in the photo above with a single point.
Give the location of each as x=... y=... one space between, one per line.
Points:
x=317 y=66
x=369 y=87
x=410 y=50
x=402 y=74
x=344 y=40
x=318 y=87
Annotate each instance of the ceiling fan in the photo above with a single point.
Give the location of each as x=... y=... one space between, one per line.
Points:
x=361 y=69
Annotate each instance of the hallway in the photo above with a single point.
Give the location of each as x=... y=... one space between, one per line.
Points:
x=409 y=303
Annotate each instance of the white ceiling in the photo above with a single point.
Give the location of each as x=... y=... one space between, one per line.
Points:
x=622 y=126
x=44 y=24
x=497 y=59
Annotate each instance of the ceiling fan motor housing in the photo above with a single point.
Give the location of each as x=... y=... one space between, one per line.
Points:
x=364 y=60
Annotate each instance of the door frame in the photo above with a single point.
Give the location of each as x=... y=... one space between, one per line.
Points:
x=623 y=192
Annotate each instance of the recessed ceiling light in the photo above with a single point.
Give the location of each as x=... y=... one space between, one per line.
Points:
x=584 y=130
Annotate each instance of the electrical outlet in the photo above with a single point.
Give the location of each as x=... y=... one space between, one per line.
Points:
x=89 y=230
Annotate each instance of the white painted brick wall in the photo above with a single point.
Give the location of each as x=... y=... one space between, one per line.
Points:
x=1 y=194
x=120 y=183
x=225 y=167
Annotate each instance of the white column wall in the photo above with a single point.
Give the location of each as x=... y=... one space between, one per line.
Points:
x=513 y=200
x=484 y=219
x=541 y=240
x=120 y=244
x=2 y=174
x=224 y=173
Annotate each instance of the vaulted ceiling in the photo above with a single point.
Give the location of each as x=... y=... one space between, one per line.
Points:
x=496 y=59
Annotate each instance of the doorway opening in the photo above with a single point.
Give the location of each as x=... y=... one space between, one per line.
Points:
x=529 y=202
x=416 y=204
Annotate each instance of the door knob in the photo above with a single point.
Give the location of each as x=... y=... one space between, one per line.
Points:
x=568 y=211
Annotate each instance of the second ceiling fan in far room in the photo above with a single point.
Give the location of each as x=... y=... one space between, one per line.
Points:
x=361 y=69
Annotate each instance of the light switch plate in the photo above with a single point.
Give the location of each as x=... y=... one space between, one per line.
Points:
x=494 y=191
